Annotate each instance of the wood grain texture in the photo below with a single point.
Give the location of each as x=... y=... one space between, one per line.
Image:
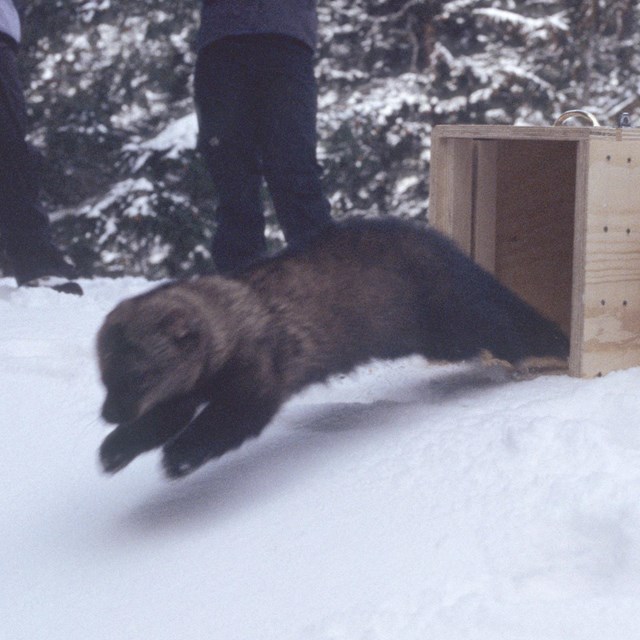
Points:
x=611 y=298
x=554 y=212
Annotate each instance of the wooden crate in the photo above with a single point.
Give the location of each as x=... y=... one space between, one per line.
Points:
x=554 y=213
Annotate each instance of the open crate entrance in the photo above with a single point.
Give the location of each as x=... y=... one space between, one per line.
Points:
x=554 y=213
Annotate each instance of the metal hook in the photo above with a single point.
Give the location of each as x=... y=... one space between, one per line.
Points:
x=580 y=114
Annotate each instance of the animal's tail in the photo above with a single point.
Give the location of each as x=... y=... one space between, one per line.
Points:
x=521 y=331
x=481 y=313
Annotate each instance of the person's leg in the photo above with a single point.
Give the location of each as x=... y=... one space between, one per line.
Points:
x=23 y=224
x=227 y=139
x=288 y=139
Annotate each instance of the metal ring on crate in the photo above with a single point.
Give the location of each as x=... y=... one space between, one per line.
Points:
x=580 y=114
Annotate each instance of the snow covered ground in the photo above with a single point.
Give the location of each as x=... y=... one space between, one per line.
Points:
x=407 y=501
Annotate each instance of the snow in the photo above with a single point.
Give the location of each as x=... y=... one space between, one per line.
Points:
x=139 y=206
x=526 y=23
x=177 y=137
x=407 y=500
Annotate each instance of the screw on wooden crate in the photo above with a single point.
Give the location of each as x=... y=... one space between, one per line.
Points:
x=606 y=230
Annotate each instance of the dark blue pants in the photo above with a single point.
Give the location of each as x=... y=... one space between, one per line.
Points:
x=256 y=100
x=24 y=226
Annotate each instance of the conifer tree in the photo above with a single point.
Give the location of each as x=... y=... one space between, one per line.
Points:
x=109 y=88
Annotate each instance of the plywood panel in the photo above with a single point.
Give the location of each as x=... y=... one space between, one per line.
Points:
x=611 y=299
x=535 y=223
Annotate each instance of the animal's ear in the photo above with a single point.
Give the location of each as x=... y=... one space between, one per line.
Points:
x=181 y=328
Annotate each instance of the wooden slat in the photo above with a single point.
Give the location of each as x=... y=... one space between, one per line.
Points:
x=576 y=335
x=484 y=211
x=506 y=132
x=451 y=187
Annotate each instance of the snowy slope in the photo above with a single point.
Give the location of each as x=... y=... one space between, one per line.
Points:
x=407 y=501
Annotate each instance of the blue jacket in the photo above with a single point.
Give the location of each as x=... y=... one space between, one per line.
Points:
x=222 y=18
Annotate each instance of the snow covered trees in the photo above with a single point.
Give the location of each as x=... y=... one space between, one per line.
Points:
x=109 y=85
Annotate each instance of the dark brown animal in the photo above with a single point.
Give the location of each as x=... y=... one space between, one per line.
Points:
x=199 y=366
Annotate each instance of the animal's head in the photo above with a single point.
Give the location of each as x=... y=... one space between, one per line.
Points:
x=150 y=349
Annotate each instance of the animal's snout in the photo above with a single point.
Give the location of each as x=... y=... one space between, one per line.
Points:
x=116 y=411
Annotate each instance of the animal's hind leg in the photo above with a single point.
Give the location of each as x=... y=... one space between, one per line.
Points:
x=151 y=430
x=214 y=431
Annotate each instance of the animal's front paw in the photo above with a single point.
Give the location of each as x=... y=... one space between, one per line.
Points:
x=112 y=457
x=179 y=461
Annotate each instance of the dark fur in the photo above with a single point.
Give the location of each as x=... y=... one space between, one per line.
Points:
x=198 y=367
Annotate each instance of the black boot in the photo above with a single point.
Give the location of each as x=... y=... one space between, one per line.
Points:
x=46 y=266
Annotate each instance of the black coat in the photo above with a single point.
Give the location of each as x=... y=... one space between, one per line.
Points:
x=295 y=18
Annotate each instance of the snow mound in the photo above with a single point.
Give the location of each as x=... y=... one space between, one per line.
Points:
x=406 y=501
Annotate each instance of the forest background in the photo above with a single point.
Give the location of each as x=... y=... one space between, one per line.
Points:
x=109 y=86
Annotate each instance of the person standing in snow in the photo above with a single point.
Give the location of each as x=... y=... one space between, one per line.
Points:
x=24 y=226
x=256 y=99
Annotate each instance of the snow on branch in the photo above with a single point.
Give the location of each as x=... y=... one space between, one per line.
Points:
x=525 y=24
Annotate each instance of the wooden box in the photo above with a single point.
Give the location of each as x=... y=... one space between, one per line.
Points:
x=554 y=213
